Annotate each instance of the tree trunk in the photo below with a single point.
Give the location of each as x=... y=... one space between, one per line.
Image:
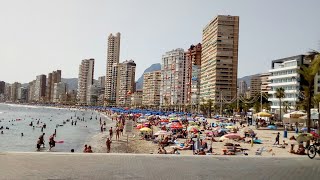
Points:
x=280 y=110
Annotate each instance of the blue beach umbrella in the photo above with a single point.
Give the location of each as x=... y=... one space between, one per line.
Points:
x=272 y=127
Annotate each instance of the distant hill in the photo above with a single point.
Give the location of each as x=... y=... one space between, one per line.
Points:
x=153 y=67
x=247 y=79
x=71 y=82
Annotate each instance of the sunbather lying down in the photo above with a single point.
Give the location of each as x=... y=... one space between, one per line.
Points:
x=185 y=148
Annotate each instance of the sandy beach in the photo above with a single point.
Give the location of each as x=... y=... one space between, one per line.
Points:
x=138 y=146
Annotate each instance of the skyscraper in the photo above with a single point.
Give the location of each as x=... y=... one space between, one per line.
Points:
x=2 y=87
x=219 y=59
x=173 y=79
x=193 y=64
x=125 y=82
x=151 y=88
x=14 y=91
x=40 y=88
x=85 y=79
x=54 y=77
x=243 y=87
x=113 y=54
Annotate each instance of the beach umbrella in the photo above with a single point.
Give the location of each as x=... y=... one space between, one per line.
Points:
x=232 y=136
x=193 y=129
x=145 y=129
x=164 y=120
x=272 y=127
x=162 y=133
x=264 y=114
x=303 y=137
x=176 y=126
x=314 y=134
x=222 y=130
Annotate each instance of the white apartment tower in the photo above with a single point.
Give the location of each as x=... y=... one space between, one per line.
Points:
x=173 y=89
x=113 y=54
x=85 y=79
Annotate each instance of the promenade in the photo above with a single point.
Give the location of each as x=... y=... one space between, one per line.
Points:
x=56 y=166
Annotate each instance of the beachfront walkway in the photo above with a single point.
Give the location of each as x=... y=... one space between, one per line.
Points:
x=126 y=166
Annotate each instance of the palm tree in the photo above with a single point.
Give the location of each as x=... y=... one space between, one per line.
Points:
x=209 y=106
x=308 y=74
x=280 y=94
x=286 y=106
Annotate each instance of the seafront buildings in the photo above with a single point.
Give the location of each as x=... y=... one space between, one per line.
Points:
x=285 y=73
x=40 y=88
x=113 y=55
x=125 y=82
x=85 y=79
x=151 y=89
x=219 y=59
x=53 y=77
x=243 y=88
x=136 y=99
x=173 y=90
x=193 y=73
x=59 y=92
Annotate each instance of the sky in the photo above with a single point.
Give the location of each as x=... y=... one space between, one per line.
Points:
x=40 y=36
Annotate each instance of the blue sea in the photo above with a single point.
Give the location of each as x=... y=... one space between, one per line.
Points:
x=18 y=117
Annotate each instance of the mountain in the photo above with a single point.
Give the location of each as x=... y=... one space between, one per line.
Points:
x=71 y=82
x=247 y=79
x=153 y=67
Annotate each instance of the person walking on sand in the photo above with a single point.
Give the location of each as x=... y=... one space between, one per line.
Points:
x=117 y=134
x=277 y=139
x=108 y=143
x=111 y=132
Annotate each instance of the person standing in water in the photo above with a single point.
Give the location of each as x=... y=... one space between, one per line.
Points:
x=52 y=142
x=41 y=138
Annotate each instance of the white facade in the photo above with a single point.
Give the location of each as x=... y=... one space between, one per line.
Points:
x=285 y=74
x=173 y=78
x=86 y=70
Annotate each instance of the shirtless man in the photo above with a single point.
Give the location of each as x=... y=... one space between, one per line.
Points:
x=108 y=143
x=117 y=134
x=111 y=132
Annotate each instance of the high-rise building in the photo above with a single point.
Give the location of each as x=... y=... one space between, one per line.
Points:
x=31 y=90
x=136 y=99
x=7 y=93
x=40 y=88
x=151 y=88
x=54 y=77
x=2 y=87
x=113 y=55
x=255 y=86
x=285 y=74
x=219 y=59
x=59 y=90
x=243 y=87
x=14 y=91
x=193 y=65
x=22 y=95
x=265 y=81
x=85 y=79
x=102 y=81
x=125 y=82
x=173 y=89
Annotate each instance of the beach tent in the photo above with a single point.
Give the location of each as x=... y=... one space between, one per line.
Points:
x=263 y=114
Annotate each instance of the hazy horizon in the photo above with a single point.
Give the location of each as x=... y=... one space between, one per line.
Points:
x=38 y=37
